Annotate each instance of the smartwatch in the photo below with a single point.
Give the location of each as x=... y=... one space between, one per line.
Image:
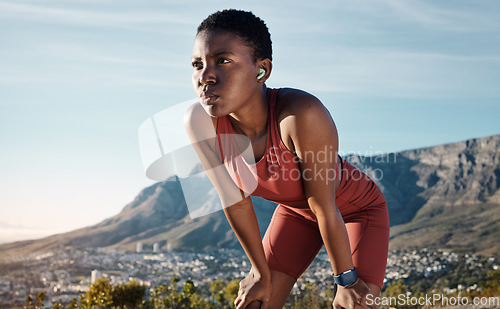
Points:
x=346 y=278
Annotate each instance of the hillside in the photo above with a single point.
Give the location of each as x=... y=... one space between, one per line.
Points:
x=443 y=196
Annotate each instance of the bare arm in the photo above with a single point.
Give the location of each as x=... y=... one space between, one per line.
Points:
x=242 y=219
x=312 y=119
x=315 y=138
x=238 y=209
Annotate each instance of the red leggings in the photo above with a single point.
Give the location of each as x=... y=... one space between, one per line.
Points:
x=292 y=239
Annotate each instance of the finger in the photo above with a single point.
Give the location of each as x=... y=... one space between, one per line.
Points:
x=239 y=305
x=237 y=300
x=242 y=304
x=336 y=305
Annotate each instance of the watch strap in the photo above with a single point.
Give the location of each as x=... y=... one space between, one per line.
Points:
x=346 y=278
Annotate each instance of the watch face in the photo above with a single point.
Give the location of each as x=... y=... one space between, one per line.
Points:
x=346 y=278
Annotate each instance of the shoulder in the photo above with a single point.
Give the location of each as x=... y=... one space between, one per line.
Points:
x=195 y=114
x=198 y=124
x=293 y=99
x=300 y=113
x=299 y=105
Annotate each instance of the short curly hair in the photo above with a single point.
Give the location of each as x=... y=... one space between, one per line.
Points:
x=244 y=24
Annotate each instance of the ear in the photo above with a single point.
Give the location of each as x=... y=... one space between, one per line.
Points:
x=267 y=65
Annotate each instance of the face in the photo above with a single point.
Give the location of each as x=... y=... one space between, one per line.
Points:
x=224 y=72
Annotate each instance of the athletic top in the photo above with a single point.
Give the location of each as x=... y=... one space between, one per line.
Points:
x=276 y=176
x=293 y=239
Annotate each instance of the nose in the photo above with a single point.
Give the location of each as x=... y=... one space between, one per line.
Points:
x=207 y=76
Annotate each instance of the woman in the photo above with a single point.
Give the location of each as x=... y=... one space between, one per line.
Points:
x=293 y=161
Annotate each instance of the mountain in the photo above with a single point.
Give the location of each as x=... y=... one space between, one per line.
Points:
x=443 y=196
x=158 y=214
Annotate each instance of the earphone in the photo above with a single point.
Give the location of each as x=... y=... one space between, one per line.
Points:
x=262 y=72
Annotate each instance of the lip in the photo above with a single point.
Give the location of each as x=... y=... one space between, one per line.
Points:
x=208 y=99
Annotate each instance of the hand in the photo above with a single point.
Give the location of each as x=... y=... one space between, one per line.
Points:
x=252 y=288
x=352 y=297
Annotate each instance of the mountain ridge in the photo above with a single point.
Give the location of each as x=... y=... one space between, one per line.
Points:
x=443 y=196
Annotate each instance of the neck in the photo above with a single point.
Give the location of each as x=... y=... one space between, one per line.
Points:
x=251 y=120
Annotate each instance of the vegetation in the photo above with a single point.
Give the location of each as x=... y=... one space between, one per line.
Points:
x=103 y=295
x=465 y=276
x=221 y=295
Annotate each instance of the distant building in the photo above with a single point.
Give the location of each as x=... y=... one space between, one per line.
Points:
x=138 y=248
x=169 y=248
x=94 y=275
x=156 y=247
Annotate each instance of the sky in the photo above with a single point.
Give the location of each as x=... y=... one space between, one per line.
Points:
x=77 y=79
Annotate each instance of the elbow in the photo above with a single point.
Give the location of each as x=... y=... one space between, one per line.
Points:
x=325 y=211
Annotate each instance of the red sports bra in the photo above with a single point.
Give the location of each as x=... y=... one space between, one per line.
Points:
x=276 y=176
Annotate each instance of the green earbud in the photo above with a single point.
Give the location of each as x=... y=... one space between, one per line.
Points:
x=262 y=72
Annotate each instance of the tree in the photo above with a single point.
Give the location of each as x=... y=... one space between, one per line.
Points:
x=217 y=294
x=73 y=304
x=39 y=301
x=29 y=300
x=310 y=298
x=394 y=290
x=168 y=297
x=99 y=295
x=129 y=295
x=231 y=291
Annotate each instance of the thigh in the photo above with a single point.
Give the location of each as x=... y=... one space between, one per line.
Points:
x=368 y=233
x=291 y=242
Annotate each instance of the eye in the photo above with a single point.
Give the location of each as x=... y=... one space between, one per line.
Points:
x=223 y=61
x=198 y=65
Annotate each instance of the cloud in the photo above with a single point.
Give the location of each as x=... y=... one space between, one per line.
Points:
x=79 y=64
x=396 y=73
x=85 y=49
x=11 y=233
x=396 y=48
x=123 y=19
x=446 y=15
